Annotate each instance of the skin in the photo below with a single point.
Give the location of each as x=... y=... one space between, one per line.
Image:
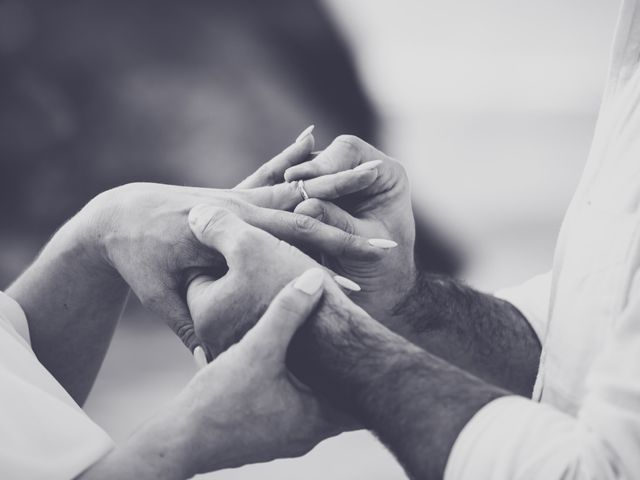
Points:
x=245 y=407
x=137 y=236
x=127 y=236
x=414 y=401
x=472 y=330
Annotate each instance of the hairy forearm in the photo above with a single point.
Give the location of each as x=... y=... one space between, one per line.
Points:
x=479 y=333
x=72 y=303
x=415 y=402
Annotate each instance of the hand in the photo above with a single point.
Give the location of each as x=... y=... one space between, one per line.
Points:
x=259 y=265
x=141 y=229
x=246 y=404
x=381 y=211
x=245 y=407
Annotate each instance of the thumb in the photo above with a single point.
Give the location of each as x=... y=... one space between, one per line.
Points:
x=223 y=231
x=287 y=312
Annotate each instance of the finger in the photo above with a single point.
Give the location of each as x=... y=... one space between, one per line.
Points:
x=330 y=214
x=285 y=196
x=286 y=313
x=179 y=319
x=336 y=185
x=213 y=305
x=345 y=152
x=223 y=231
x=307 y=232
x=272 y=172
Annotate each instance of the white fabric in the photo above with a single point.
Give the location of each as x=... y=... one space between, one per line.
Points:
x=44 y=434
x=532 y=299
x=588 y=424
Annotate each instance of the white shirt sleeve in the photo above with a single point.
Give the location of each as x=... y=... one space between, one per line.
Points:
x=44 y=434
x=532 y=299
x=514 y=438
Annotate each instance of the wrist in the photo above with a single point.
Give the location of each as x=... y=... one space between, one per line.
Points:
x=160 y=449
x=340 y=351
x=96 y=223
x=382 y=302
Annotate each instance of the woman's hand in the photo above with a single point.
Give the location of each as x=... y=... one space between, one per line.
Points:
x=244 y=407
x=249 y=406
x=380 y=212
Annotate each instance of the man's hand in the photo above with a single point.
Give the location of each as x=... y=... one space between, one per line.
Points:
x=415 y=402
x=380 y=212
x=477 y=332
x=245 y=407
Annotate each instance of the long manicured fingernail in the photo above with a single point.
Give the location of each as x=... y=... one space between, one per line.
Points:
x=200 y=357
x=305 y=133
x=346 y=283
x=368 y=165
x=310 y=281
x=382 y=243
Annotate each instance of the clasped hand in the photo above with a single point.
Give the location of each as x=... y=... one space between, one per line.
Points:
x=212 y=261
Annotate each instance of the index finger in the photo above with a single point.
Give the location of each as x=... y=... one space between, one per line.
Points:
x=272 y=172
x=286 y=196
x=345 y=152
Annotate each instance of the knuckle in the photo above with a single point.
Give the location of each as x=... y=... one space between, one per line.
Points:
x=216 y=218
x=348 y=228
x=265 y=173
x=229 y=203
x=288 y=305
x=398 y=168
x=350 y=141
x=302 y=222
x=186 y=332
x=349 y=243
x=270 y=175
x=313 y=208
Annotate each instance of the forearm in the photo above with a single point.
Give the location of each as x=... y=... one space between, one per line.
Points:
x=415 y=402
x=479 y=333
x=159 y=450
x=72 y=302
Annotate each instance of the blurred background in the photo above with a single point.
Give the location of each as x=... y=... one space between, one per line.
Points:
x=489 y=104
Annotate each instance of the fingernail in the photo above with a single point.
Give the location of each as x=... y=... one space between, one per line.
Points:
x=200 y=357
x=368 y=165
x=310 y=281
x=382 y=243
x=306 y=132
x=346 y=283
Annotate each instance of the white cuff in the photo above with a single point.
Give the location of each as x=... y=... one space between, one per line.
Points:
x=513 y=438
x=532 y=300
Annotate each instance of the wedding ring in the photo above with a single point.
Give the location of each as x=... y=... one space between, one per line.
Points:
x=303 y=192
